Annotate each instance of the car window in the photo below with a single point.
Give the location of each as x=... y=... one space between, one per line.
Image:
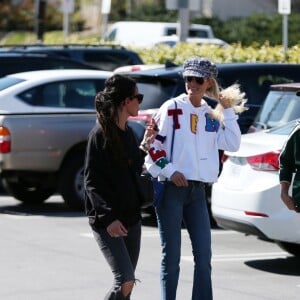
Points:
x=256 y=86
x=198 y=33
x=108 y=61
x=192 y=32
x=278 y=108
x=70 y=93
x=6 y=82
x=156 y=92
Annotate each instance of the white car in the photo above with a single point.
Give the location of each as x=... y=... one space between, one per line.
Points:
x=246 y=197
x=173 y=40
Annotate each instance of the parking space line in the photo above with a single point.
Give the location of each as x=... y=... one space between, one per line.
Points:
x=155 y=233
x=242 y=257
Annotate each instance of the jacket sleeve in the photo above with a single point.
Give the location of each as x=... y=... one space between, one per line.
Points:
x=157 y=161
x=229 y=135
x=287 y=160
x=97 y=189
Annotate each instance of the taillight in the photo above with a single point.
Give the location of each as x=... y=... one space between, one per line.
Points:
x=5 y=141
x=265 y=162
x=142 y=116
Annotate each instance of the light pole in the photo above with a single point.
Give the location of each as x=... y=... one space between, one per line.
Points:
x=40 y=12
x=284 y=8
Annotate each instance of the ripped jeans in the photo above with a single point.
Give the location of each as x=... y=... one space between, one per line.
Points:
x=121 y=253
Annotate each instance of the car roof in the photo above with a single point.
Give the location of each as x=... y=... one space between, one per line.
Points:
x=60 y=73
x=17 y=57
x=13 y=47
x=293 y=86
x=165 y=70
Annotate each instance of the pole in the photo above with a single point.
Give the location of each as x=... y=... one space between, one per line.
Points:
x=40 y=8
x=285 y=32
x=184 y=20
x=66 y=24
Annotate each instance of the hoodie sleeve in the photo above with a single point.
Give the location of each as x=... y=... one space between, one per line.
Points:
x=157 y=161
x=229 y=135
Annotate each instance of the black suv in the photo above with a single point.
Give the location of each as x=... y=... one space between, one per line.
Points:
x=11 y=62
x=160 y=84
x=104 y=57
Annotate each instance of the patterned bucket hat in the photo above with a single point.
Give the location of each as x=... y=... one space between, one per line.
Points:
x=199 y=67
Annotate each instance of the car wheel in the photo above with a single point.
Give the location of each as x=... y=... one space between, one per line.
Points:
x=71 y=181
x=291 y=248
x=28 y=194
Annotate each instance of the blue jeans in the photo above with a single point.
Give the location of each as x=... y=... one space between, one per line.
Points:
x=121 y=253
x=187 y=204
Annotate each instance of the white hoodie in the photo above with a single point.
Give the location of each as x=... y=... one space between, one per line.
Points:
x=197 y=139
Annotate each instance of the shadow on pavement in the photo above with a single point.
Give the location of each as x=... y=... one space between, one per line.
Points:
x=283 y=266
x=52 y=209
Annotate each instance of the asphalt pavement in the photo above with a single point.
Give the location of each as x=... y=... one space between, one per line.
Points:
x=48 y=253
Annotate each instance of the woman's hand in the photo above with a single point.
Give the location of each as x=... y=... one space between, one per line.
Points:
x=116 y=229
x=178 y=179
x=225 y=102
x=289 y=202
x=149 y=136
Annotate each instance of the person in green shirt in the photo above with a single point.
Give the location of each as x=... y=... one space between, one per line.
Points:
x=289 y=161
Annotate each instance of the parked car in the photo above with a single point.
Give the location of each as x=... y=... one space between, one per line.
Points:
x=147 y=34
x=173 y=40
x=45 y=118
x=282 y=105
x=160 y=84
x=15 y=62
x=104 y=57
x=246 y=197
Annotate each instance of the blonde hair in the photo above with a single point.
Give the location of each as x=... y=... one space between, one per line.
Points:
x=214 y=89
x=233 y=95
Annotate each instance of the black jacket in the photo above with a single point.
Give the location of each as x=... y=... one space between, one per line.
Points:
x=110 y=188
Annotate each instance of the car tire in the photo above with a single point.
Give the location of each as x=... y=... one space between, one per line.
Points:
x=71 y=181
x=291 y=248
x=25 y=193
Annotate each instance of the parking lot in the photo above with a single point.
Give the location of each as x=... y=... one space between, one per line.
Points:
x=48 y=253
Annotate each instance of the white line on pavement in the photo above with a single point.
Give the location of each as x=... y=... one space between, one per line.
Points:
x=155 y=233
x=242 y=257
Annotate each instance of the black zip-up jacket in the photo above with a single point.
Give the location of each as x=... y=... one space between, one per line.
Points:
x=290 y=157
x=110 y=189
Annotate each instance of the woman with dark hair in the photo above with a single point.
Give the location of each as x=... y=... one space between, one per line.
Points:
x=111 y=197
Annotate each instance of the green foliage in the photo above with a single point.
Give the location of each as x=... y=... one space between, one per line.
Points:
x=22 y=16
x=259 y=28
x=141 y=11
x=233 y=53
x=17 y=17
x=51 y=37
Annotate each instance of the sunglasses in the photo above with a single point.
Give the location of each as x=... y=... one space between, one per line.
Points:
x=139 y=97
x=199 y=80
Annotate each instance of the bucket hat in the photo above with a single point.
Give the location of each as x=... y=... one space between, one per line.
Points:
x=199 y=67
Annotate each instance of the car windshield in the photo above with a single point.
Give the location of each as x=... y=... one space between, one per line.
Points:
x=6 y=82
x=156 y=92
x=279 y=108
x=284 y=129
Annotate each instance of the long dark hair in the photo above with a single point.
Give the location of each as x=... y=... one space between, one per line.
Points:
x=108 y=102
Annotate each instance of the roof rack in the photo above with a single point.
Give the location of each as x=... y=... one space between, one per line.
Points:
x=24 y=46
